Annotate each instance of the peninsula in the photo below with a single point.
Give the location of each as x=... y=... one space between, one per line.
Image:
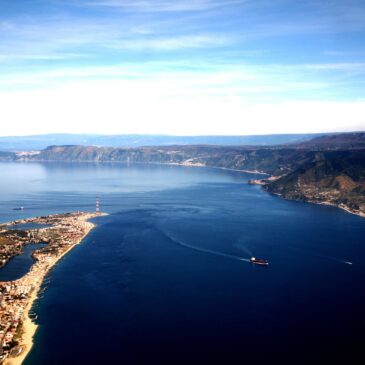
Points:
x=61 y=233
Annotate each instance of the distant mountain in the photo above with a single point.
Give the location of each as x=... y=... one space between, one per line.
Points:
x=276 y=159
x=39 y=142
x=335 y=141
x=328 y=169
x=7 y=156
x=265 y=159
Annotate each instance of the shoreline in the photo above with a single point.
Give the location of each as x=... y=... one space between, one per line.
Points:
x=338 y=206
x=29 y=330
x=342 y=207
x=147 y=163
x=264 y=182
x=29 y=327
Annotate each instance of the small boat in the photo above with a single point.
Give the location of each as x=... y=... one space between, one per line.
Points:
x=256 y=261
x=33 y=316
x=18 y=208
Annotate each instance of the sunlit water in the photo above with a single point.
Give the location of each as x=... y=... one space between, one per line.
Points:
x=164 y=279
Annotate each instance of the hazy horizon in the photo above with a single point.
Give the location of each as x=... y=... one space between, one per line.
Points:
x=178 y=135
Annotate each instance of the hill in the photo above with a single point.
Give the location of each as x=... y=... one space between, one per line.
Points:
x=336 y=178
x=329 y=169
x=39 y=142
x=267 y=160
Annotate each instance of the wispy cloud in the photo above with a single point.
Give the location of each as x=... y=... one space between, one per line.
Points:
x=174 y=43
x=180 y=80
x=166 y=5
x=64 y=38
x=350 y=66
x=338 y=53
x=41 y=56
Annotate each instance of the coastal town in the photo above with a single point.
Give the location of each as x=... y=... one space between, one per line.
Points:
x=60 y=233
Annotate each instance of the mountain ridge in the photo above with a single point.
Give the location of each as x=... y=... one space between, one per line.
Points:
x=38 y=142
x=327 y=169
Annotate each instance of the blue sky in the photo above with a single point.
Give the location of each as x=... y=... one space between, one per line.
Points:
x=181 y=67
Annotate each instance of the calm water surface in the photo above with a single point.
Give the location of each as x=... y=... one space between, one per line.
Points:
x=161 y=279
x=19 y=265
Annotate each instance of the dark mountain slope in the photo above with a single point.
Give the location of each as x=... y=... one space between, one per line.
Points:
x=336 y=178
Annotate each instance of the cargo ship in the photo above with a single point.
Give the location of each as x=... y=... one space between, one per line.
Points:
x=256 y=261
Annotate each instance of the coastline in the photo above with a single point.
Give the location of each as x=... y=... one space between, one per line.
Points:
x=264 y=182
x=253 y=172
x=29 y=328
x=343 y=207
x=190 y=164
x=338 y=206
x=183 y=164
x=254 y=182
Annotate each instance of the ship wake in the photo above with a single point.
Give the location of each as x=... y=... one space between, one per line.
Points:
x=206 y=250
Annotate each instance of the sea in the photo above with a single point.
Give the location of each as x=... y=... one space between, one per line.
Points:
x=165 y=278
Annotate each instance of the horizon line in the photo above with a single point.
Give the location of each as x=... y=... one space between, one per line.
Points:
x=180 y=135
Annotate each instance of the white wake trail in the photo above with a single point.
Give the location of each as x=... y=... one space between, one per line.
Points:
x=206 y=250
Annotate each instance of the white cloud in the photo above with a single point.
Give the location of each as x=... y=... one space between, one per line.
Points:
x=149 y=107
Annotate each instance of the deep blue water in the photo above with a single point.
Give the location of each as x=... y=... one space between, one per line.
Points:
x=149 y=285
x=19 y=265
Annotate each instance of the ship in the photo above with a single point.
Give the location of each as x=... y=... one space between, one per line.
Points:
x=256 y=261
x=18 y=208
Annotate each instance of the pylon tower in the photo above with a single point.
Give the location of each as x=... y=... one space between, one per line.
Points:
x=97 y=205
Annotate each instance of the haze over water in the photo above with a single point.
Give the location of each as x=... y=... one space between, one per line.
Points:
x=162 y=279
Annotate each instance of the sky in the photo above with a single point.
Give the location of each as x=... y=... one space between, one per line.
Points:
x=182 y=67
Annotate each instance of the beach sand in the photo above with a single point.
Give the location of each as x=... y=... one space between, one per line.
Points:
x=29 y=330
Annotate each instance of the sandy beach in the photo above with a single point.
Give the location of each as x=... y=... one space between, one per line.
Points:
x=29 y=330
